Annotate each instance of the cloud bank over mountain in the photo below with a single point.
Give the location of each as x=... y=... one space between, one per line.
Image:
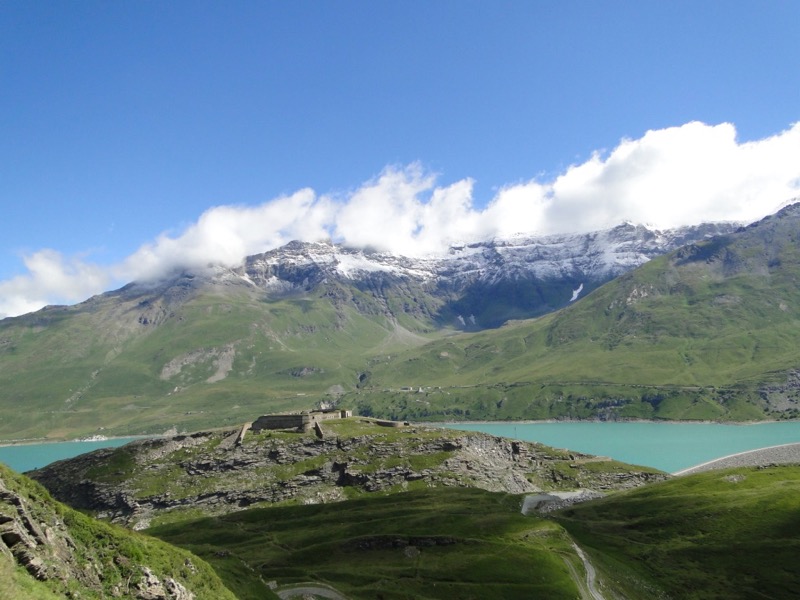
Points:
x=669 y=177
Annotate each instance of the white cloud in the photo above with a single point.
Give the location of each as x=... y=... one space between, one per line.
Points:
x=50 y=277
x=404 y=212
x=521 y=208
x=384 y=213
x=448 y=218
x=679 y=176
x=668 y=177
x=226 y=234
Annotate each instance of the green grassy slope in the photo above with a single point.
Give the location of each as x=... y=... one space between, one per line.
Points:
x=723 y=534
x=445 y=543
x=220 y=355
x=81 y=557
x=19 y=585
x=708 y=332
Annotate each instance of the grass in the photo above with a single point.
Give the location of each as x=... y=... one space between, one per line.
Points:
x=446 y=543
x=723 y=534
x=80 y=546
x=288 y=354
x=668 y=360
x=19 y=585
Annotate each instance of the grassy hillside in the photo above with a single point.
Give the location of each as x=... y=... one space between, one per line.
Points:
x=708 y=332
x=50 y=551
x=140 y=363
x=726 y=534
x=426 y=544
x=723 y=534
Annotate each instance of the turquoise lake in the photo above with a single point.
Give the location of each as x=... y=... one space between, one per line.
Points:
x=670 y=447
x=666 y=446
x=26 y=457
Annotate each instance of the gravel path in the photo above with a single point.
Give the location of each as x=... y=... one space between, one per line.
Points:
x=591 y=574
x=309 y=591
x=774 y=455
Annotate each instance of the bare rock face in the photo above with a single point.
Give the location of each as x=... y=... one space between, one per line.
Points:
x=43 y=556
x=176 y=590
x=150 y=587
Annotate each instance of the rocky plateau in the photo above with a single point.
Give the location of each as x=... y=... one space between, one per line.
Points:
x=150 y=481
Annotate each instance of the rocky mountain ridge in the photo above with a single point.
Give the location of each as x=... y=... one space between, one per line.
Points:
x=707 y=332
x=572 y=264
x=527 y=275
x=594 y=255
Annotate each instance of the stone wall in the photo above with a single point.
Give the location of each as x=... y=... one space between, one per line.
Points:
x=295 y=421
x=300 y=421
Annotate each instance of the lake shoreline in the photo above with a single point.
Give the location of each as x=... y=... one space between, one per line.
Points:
x=599 y=421
x=669 y=446
x=42 y=441
x=37 y=441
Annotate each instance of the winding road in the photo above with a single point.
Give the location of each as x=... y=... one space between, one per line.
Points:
x=591 y=574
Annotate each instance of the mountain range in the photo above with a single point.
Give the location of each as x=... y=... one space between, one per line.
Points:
x=475 y=286
x=690 y=323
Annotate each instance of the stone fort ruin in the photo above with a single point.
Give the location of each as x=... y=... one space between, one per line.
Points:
x=302 y=421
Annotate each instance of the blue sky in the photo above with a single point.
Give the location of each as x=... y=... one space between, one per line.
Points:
x=124 y=124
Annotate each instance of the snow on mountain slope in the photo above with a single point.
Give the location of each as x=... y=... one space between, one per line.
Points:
x=589 y=257
x=472 y=286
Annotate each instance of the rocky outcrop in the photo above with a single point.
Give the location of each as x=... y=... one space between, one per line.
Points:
x=73 y=556
x=208 y=473
x=783 y=397
x=150 y=587
x=44 y=551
